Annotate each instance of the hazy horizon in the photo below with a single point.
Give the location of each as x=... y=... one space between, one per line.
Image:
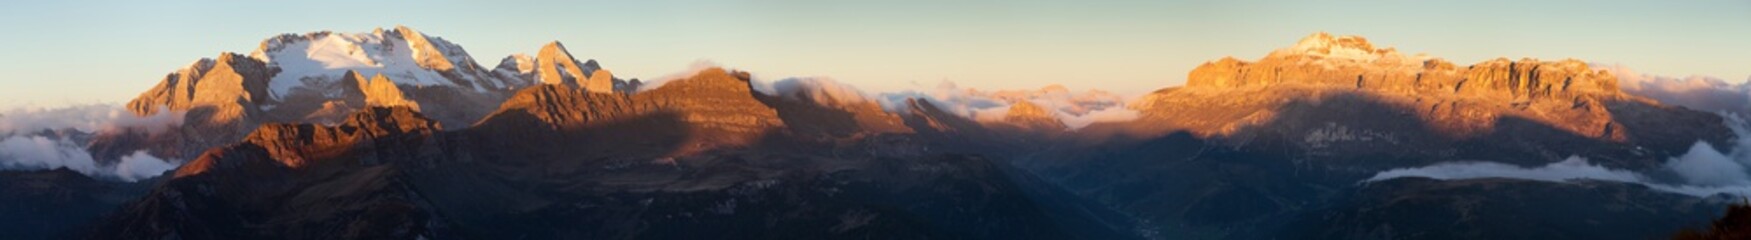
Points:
x=1120 y=46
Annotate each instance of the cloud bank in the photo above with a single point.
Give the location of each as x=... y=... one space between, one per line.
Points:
x=1704 y=93
x=1076 y=110
x=85 y=118
x=1569 y=169
x=1702 y=171
x=25 y=146
x=692 y=69
x=821 y=90
x=39 y=152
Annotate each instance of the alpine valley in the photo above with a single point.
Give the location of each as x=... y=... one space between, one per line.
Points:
x=399 y=134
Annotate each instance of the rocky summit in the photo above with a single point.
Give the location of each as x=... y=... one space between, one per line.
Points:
x=1339 y=95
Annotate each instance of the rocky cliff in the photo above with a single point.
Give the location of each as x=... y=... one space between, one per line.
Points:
x=321 y=77
x=1339 y=95
x=230 y=82
x=379 y=91
x=219 y=97
x=714 y=107
x=1312 y=62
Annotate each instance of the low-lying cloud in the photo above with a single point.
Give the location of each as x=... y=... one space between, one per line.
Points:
x=820 y=90
x=24 y=144
x=1075 y=109
x=1569 y=169
x=692 y=69
x=1701 y=171
x=1705 y=93
x=85 y=118
x=40 y=152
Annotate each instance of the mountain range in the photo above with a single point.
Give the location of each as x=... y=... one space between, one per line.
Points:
x=396 y=134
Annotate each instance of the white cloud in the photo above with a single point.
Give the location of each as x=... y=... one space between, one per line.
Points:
x=85 y=118
x=1074 y=109
x=693 y=69
x=1704 y=166
x=1568 y=169
x=1704 y=93
x=821 y=90
x=1111 y=114
x=39 y=153
x=1702 y=171
x=21 y=149
x=141 y=165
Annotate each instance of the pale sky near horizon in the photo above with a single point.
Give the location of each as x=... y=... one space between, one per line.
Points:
x=56 y=53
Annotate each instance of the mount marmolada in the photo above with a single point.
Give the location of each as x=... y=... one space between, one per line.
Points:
x=395 y=134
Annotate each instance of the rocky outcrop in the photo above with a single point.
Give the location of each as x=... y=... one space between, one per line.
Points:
x=219 y=97
x=715 y=107
x=928 y=119
x=295 y=145
x=1032 y=117
x=1352 y=62
x=600 y=81
x=379 y=91
x=555 y=65
x=517 y=66
x=1330 y=90
x=427 y=54
x=230 y=83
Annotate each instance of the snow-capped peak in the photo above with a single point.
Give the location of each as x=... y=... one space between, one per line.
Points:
x=404 y=55
x=520 y=63
x=1333 y=51
x=1355 y=48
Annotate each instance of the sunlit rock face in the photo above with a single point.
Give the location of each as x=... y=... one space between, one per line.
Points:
x=322 y=77
x=296 y=146
x=1029 y=116
x=379 y=91
x=1337 y=94
x=555 y=65
x=219 y=97
x=224 y=82
x=1351 y=61
x=714 y=107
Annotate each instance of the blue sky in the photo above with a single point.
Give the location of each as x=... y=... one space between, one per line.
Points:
x=56 y=53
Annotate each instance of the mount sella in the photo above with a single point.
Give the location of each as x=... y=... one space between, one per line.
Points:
x=395 y=134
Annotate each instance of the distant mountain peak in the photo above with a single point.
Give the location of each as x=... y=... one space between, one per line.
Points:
x=1353 y=62
x=1342 y=47
x=1228 y=97
x=403 y=54
x=428 y=54
x=556 y=65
